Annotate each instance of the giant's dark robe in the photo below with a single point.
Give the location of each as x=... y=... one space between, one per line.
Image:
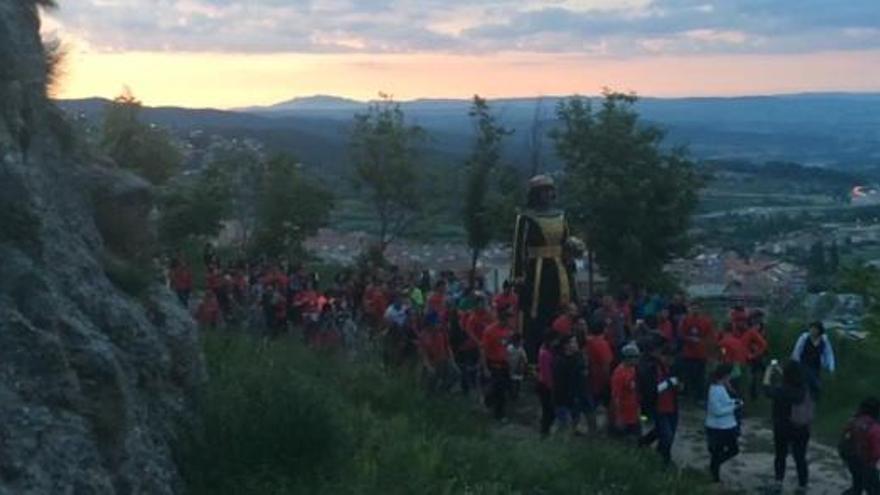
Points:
x=546 y=282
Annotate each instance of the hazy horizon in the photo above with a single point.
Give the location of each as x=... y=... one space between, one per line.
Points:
x=232 y=54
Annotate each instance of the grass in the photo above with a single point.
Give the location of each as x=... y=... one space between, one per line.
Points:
x=282 y=419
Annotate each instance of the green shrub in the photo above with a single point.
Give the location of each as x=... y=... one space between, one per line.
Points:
x=283 y=419
x=133 y=278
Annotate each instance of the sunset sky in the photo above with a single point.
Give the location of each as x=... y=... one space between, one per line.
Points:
x=231 y=53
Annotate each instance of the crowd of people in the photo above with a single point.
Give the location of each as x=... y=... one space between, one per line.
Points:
x=633 y=359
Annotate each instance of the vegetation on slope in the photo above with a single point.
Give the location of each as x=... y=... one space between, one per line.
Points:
x=282 y=419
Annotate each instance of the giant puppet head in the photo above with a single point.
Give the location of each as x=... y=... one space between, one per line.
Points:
x=542 y=192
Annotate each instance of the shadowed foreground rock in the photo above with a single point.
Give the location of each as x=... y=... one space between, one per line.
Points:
x=94 y=383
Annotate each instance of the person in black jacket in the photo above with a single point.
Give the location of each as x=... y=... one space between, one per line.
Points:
x=569 y=383
x=787 y=387
x=658 y=390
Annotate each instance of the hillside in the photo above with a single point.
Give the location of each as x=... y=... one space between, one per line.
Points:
x=831 y=129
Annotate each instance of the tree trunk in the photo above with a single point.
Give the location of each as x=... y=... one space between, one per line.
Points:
x=472 y=277
x=590 y=287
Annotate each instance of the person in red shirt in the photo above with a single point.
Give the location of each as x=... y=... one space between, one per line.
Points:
x=208 y=312
x=658 y=393
x=695 y=334
x=863 y=459
x=437 y=301
x=181 y=280
x=625 y=394
x=493 y=346
x=438 y=361
x=600 y=357
x=756 y=347
x=507 y=299
x=739 y=318
x=733 y=352
x=473 y=324
x=564 y=323
x=666 y=327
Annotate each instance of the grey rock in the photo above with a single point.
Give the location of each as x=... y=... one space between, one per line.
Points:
x=95 y=385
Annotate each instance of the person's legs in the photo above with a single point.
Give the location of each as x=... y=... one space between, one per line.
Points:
x=856 y=471
x=715 y=450
x=800 y=437
x=871 y=480
x=665 y=426
x=499 y=389
x=700 y=380
x=780 y=448
x=547 y=412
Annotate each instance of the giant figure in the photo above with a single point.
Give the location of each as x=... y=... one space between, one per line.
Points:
x=541 y=270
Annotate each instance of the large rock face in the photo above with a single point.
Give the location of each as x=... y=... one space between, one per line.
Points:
x=94 y=383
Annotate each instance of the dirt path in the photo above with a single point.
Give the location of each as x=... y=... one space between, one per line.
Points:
x=750 y=472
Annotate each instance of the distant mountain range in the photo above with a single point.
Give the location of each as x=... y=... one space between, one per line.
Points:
x=830 y=129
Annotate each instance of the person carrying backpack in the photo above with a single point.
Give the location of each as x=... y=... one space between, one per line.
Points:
x=859 y=447
x=793 y=412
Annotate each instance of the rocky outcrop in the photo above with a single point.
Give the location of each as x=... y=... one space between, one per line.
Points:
x=95 y=384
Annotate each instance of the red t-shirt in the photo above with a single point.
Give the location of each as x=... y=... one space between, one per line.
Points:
x=625 y=395
x=563 y=325
x=437 y=304
x=493 y=344
x=474 y=325
x=695 y=331
x=754 y=342
x=208 y=312
x=732 y=349
x=599 y=356
x=667 y=330
x=181 y=278
x=666 y=400
x=435 y=344
x=506 y=301
x=214 y=280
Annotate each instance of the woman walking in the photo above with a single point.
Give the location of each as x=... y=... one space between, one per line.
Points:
x=792 y=415
x=722 y=429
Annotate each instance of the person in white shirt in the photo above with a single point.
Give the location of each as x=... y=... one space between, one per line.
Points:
x=813 y=350
x=722 y=428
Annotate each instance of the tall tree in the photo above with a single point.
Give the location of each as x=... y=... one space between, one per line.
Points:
x=194 y=208
x=536 y=138
x=290 y=208
x=483 y=160
x=385 y=158
x=133 y=144
x=631 y=198
x=244 y=170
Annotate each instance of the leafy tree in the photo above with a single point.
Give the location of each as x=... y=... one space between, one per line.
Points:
x=483 y=160
x=244 y=171
x=504 y=200
x=195 y=209
x=145 y=149
x=385 y=159
x=632 y=199
x=290 y=208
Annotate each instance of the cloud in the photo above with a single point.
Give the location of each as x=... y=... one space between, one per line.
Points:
x=600 y=27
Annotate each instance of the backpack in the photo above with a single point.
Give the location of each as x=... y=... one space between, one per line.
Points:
x=851 y=446
x=803 y=413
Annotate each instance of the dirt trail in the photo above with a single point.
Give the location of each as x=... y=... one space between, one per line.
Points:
x=750 y=472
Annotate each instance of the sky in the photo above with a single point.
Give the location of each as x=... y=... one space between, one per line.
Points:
x=234 y=53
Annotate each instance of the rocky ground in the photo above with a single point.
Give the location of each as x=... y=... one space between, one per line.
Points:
x=750 y=472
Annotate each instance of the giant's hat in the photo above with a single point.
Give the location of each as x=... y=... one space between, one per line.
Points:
x=540 y=181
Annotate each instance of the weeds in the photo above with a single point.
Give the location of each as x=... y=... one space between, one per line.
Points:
x=281 y=419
